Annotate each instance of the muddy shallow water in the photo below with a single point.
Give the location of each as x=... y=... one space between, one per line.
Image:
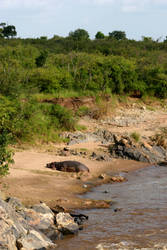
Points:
x=136 y=220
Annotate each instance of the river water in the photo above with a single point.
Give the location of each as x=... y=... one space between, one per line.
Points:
x=136 y=220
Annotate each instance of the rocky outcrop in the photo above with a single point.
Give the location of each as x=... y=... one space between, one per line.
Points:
x=124 y=147
x=102 y=135
x=121 y=146
x=35 y=228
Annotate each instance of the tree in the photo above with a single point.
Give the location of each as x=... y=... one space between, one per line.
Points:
x=99 y=35
x=165 y=40
x=118 y=35
x=147 y=39
x=41 y=59
x=6 y=124
x=44 y=38
x=79 y=35
x=9 y=31
x=2 y=25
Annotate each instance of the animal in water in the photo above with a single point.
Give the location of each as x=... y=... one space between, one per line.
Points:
x=68 y=166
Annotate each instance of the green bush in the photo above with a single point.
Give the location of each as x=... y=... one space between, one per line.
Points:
x=30 y=120
x=50 y=80
x=136 y=136
x=82 y=111
x=99 y=73
x=63 y=117
x=41 y=59
x=6 y=155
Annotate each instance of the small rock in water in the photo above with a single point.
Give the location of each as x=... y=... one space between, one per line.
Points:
x=102 y=176
x=105 y=192
x=118 y=178
x=124 y=245
x=117 y=209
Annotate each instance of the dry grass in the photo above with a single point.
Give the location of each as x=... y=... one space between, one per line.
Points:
x=160 y=139
x=105 y=106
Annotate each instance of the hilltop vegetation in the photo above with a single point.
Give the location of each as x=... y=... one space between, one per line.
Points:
x=75 y=64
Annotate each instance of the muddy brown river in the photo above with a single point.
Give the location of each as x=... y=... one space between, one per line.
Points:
x=136 y=220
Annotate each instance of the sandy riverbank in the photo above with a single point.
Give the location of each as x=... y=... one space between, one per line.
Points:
x=32 y=182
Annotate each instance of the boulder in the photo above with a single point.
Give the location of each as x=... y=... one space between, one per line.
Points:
x=34 y=228
x=118 y=178
x=66 y=224
x=42 y=219
x=124 y=147
x=34 y=241
x=18 y=232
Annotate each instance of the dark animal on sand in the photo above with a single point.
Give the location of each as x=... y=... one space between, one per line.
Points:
x=162 y=163
x=68 y=166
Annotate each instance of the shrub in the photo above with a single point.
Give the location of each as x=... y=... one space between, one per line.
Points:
x=41 y=59
x=6 y=155
x=135 y=136
x=51 y=80
x=83 y=111
x=65 y=117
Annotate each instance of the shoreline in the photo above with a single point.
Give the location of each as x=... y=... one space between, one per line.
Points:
x=32 y=183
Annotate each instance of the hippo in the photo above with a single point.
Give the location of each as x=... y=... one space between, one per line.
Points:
x=162 y=163
x=68 y=166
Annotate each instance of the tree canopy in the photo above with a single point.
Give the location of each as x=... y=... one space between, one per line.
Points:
x=79 y=35
x=7 y=31
x=118 y=35
x=99 y=35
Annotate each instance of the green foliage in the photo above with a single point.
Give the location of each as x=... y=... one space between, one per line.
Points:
x=72 y=66
x=65 y=117
x=136 y=136
x=99 y=73
x=79 y=34
x=9 y=31
x=41 y=59
x=118 y=35
x=6 y=155
x=82 y=111
x=42 y=121
x=29 y=121
x=99 y=35
x=50 y=80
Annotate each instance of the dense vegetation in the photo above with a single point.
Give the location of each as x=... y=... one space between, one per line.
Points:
x=75 y=65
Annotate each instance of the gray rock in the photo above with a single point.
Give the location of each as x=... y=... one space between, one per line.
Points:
x=15 y=203
x=7 y=238
x=42 y=208
x=125 y=148
x=18 y=231
x=99 y=157
x=42 y=219
x=66 y=223
x=34 y=241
